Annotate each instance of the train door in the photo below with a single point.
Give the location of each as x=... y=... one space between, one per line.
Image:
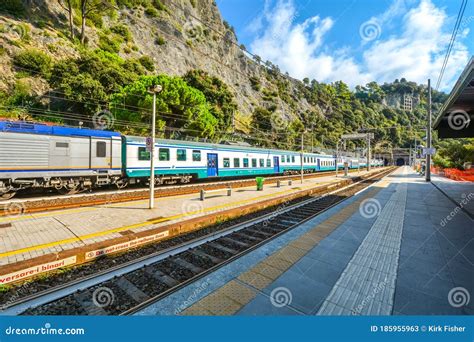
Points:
x=319 y=165
x=60 y=154
x=212 y=167
x=276 y=164
x=100 y=153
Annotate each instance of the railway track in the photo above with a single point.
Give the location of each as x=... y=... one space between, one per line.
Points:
x=50 y=203
x=126 y=289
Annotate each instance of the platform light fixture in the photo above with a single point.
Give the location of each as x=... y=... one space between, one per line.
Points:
x=155 y=89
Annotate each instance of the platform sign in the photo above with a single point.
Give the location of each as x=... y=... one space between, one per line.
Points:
x=429 y=151
x=353 y=136
x=125 y=245
x=35 y=270
x=149 y=143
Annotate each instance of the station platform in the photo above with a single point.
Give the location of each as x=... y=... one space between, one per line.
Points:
x=60 y=238
x=389 y=250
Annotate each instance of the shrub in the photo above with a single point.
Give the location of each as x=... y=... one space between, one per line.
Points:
x=110 y=44
x=15 y=7
x=34 y=61
x=160 y=41
x=159 y=5
x=122 y=31
x=147 y=63
x=151 y=12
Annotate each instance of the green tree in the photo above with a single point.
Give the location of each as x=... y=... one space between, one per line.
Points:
x=218 y=95
x=179 y=106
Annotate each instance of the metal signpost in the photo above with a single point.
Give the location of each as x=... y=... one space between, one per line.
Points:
x=428 y=136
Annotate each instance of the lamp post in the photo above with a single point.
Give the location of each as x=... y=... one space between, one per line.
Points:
x=153 y=90
x=301 y=156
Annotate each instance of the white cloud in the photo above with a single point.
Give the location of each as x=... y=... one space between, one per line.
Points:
x=415 y=50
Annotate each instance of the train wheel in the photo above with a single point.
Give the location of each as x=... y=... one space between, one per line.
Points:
x=8 y=195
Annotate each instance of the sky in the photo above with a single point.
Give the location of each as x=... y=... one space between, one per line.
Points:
x=356 y=41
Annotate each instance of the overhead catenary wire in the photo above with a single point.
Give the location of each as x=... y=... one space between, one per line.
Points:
x=451 y=42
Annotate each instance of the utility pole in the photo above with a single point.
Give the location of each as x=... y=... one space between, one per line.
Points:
x=428 y=136
x=368 y=151
x=312 y=137
x=337 y=156
x=153 y=90
x=302 y=146
x=414 y=154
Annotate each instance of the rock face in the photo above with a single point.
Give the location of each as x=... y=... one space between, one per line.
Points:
x=187 y=34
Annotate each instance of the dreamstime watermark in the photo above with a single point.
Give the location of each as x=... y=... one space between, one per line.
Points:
x=370 y=30
x=192 y=298
x=280 y=297
x=278 y=122
x=458 y=120
x=279 y=34
x=18 y=292
x=13 y=31
x=193 y=30
x=458 y=297
x=111 y=199
x=14 y=209
x=370 y=297
x=465 y=200
x=103 y=296
x=103 y=119
x=275 y=213
x=466 y=22
x=47 y=329
x=370 y=208
x=192 y=208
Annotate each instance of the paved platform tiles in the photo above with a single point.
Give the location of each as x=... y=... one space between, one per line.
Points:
x=31 y=235
x=382 y=252
x=460 y=192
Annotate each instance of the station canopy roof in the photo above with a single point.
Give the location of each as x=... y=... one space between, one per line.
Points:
x=457 y=114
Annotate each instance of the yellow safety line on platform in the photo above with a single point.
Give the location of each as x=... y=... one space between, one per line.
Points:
x=142 y=224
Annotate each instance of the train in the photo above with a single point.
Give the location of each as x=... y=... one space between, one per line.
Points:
x=70 y=160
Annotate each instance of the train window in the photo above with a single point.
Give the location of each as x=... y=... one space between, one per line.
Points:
x=143 y=154
x=236 y=162
x=181 y=154
x=246 y=162
x=254 y=162
x=269 y=163
x=292 y=159
x=101 y=151
x=62 y=145
x=196 y=155
x=226 y=162
x=262 y=162
x=164 y=154
x=282 y=159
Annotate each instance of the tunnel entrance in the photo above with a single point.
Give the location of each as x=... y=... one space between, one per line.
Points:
x=400 y=161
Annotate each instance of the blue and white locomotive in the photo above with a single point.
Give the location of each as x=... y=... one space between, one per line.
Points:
x=68 y=159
